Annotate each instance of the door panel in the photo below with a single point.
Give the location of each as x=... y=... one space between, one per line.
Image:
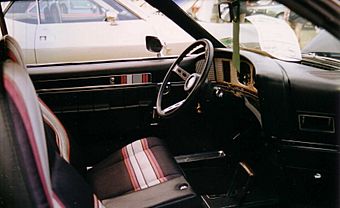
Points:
x=101 y=115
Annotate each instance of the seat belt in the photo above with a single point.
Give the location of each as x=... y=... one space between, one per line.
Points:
x=3 y=57
x=3 y=54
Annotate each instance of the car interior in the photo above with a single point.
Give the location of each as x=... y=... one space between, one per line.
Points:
x=186 y=131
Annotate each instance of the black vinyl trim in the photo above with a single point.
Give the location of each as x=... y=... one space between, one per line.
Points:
x=3 y=23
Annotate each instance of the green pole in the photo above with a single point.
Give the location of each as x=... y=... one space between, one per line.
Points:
x=236 y=36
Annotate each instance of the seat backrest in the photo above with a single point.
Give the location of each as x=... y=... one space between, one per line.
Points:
x=31 y=175
x=23 y=152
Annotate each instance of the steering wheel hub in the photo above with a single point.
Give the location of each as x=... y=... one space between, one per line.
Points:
x=191 y=82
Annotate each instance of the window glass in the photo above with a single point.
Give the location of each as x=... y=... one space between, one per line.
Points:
x=68 y=11
x=91 y=30
x=23 y=11
x=206 y=13
x=123 y=13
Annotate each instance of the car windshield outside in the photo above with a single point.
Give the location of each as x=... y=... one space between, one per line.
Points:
x=63 y=30
x=264 y=25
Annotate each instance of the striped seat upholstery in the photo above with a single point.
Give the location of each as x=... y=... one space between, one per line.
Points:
x=142 y=166
x=141 y=174
x=139 y=165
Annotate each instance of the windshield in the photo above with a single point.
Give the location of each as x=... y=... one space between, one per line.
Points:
x=58 y=31
x=265 y=25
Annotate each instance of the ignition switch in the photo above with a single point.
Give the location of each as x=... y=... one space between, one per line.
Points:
x=218 y=92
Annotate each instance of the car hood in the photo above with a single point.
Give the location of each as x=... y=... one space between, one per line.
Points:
x=324 y=42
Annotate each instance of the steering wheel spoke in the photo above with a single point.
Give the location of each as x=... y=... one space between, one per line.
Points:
x=173 y=106
x=182 y=73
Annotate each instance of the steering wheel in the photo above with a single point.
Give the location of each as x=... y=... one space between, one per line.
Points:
x=193 y=81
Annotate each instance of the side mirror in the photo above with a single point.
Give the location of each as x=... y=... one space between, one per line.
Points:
x=111 y=16
x=153 y=44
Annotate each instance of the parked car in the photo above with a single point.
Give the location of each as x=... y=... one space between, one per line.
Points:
x=212 y=127
x=59 y=32
x=267 y=7
x=271 y=8
x=324 y=44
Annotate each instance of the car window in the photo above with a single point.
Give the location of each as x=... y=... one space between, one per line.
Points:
x=123 y=13
x=70 y=11
x=23 y=11
x=90 y=30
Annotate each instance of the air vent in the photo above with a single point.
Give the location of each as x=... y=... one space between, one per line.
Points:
x=316 y=123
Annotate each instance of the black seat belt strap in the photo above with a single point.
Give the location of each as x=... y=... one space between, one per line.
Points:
x=3 y=57
x=3 y=54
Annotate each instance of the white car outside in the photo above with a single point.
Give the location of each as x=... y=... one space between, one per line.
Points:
x=62 y=30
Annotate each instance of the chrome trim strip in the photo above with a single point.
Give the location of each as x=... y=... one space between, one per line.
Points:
x=253 y=110
x=98 y=109
x=200 y=156
x=101 y=87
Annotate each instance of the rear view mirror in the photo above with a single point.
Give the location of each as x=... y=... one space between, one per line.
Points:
x=229 y=10
x=224 y=12
x=153 y=44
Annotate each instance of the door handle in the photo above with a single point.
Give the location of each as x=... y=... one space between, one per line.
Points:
x=42 y=37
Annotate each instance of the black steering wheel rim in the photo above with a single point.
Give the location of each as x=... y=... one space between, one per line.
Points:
x=193 y=82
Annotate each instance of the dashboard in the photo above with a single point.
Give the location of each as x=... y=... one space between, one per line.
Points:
x=298 y=105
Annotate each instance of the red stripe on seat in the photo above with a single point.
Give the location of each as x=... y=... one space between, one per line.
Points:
x=154 y=163
x=57 y=199
x=130 y=170
x=95 y=201
x=17 y=98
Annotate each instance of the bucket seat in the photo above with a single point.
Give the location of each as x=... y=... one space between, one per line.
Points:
x=35 y=169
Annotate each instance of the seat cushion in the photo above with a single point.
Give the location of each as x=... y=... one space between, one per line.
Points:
x=174 y=193
x=137 y=166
